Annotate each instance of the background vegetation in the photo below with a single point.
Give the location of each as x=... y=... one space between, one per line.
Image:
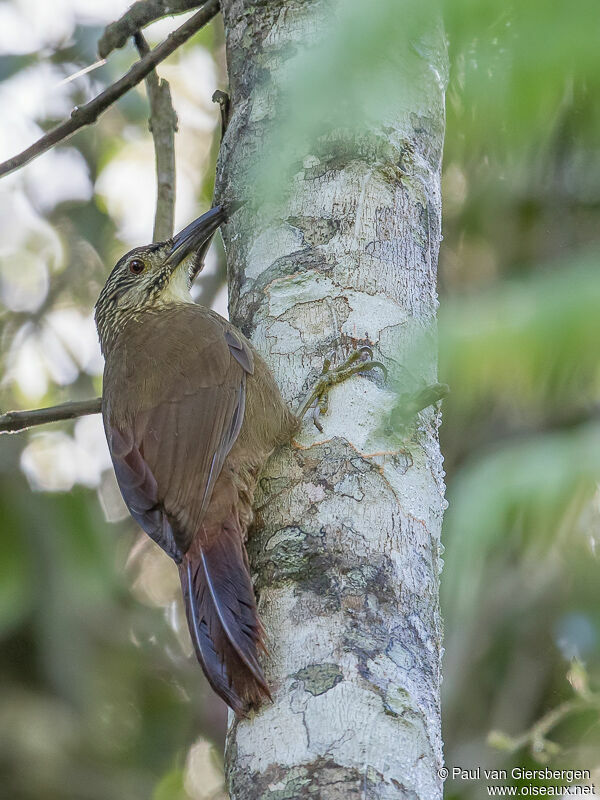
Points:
x=99 y=696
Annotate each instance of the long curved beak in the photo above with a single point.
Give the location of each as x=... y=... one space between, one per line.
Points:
x=196 y=234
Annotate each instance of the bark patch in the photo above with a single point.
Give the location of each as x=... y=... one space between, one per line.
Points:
x=320 y=678
x=315 y=230
x=322 y=777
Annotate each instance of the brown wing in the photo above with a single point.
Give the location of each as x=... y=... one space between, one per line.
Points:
x=174 y=405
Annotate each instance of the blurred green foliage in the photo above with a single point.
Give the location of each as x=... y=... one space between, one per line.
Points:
x=364 y=68
x=98 y=696
x=518 y=336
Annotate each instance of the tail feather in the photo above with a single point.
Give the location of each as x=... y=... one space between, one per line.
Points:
x=222 y=616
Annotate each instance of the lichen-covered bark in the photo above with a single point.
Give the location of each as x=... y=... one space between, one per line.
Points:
x=346 y=552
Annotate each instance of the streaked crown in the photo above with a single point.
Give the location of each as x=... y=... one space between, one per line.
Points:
x=154 y=275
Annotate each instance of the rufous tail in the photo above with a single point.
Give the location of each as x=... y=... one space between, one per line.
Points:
x=221 y=612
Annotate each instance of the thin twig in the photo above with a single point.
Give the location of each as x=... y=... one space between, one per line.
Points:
x=89 y=113
x=138 y=16
x=212 y=283
x=536 y=738
x=15 y=421
x=163 y=124
x=222 y=98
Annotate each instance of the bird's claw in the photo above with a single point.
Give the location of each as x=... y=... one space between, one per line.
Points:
x=359 y=360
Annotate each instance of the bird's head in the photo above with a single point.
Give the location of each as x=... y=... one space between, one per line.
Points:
x=154 y=275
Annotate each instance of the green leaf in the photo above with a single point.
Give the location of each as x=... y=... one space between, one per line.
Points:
x=170 y=787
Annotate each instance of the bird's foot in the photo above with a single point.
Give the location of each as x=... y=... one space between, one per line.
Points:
x=358 y=361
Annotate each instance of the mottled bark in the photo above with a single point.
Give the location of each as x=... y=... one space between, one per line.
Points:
x=346 y=552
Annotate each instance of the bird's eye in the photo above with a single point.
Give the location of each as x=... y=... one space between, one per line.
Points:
x=137 y=266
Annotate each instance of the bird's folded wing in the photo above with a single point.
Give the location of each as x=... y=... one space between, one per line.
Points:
x=191 y=398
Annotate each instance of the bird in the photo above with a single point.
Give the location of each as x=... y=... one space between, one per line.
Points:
x=191 y=413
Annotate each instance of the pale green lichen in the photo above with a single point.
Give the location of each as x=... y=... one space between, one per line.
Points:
x=320 y=678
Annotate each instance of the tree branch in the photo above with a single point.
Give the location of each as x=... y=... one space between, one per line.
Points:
x=16 y=421
x=138 y=16
x=89 y=113
x=163 y=124
x=354 y=562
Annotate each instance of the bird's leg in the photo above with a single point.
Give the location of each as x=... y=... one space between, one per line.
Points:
x=359 y=360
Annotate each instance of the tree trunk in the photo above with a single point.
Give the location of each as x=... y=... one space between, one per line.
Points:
x=346 y=551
